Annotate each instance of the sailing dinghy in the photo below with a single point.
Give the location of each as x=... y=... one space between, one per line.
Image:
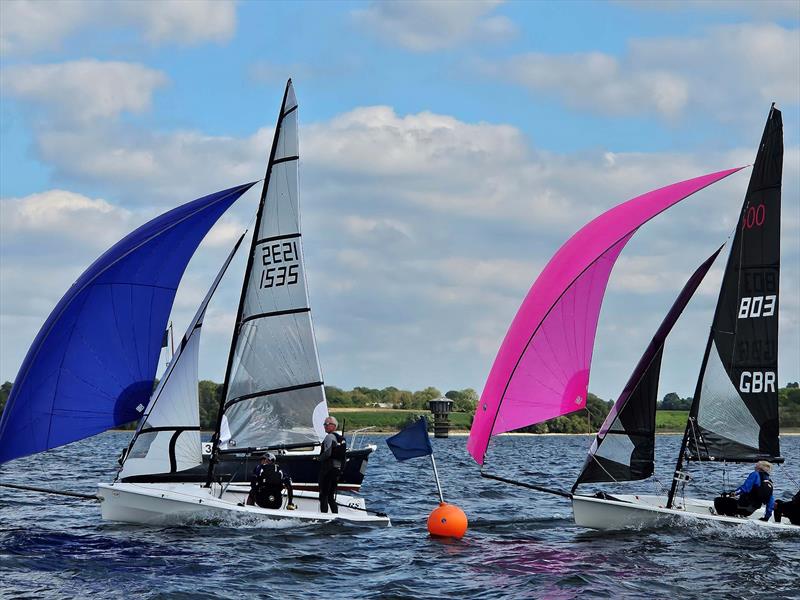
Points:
x=542 y=368
x=93 y=364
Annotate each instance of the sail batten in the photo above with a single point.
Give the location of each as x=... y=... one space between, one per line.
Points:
x=542 y=368
x=93 y=363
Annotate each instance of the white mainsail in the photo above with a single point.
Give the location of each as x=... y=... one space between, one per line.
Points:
x=274 y=388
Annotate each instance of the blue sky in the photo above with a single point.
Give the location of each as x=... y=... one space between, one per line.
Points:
x=448 y=149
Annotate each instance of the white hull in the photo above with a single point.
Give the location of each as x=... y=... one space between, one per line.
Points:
x=630 y=511
x=177 y=503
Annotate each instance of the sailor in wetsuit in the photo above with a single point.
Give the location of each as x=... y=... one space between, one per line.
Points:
x=789 y=509
x=267 y=485
x=332 y=459
x=755 y=492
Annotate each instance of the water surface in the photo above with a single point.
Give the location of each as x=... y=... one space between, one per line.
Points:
x=520 y=544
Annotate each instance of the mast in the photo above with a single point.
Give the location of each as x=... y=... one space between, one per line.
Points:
x=734 y=413
x=237 y=324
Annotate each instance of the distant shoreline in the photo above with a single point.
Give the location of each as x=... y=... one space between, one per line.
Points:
x=463 y=433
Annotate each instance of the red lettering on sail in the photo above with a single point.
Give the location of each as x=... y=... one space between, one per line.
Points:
x=755 y=216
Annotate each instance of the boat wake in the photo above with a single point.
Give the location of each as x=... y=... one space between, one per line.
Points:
x=234 y=521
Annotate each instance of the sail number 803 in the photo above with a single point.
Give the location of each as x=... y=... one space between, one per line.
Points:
x=281 y=264
x=757 y=306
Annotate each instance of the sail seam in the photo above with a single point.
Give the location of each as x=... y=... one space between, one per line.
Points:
x=276 y=313
x=277 y=161
x=275 y=238
x=271 y=392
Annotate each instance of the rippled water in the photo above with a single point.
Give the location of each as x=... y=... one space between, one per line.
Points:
x=520 y=543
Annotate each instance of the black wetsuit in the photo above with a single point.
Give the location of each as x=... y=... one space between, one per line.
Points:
x=267 y=485
x=790 y=510
x=329 y=471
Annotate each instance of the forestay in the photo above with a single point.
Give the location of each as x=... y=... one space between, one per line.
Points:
x=734 y=416
x=624 y=449
x=167 y=439
x=93 y=363
x=542 y=368
x=274 y=392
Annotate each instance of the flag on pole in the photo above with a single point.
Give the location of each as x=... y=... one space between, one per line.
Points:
x=411 y=442
x=165 y=339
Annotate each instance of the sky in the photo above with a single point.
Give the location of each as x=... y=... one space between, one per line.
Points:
x=447 y=150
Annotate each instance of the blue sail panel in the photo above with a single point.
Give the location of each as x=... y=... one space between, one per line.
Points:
x=93 y=363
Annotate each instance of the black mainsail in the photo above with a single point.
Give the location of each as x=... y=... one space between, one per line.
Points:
x=734 y=414
x=624 y=449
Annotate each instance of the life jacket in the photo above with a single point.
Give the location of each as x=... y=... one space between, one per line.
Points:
x=339 y=448
x=270 y=476
x=764 y=491
x=760 y=494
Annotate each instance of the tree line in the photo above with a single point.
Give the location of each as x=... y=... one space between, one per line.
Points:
x=464 y=401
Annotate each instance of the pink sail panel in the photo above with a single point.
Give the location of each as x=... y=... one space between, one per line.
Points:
x=542 y=368
x=552 y=376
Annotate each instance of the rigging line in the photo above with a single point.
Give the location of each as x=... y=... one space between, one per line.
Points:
x=594 y=458
x=659 y=487
x=530 y=486
x=788 y=476
x=697 y=445
x=29 y=488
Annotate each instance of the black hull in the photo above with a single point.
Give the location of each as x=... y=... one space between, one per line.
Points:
x=303 y=469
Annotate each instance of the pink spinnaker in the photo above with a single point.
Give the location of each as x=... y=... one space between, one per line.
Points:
x=542 y=368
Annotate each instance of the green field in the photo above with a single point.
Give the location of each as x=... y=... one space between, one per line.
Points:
x=671 y=420
x=394 y=420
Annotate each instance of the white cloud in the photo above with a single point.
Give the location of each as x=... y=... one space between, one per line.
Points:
x=181 y=21
x=84 y=90
x=422 y=234
x=29 y=26
x=597 y=81
x=182 y=164
x=733 y=68
x=428 y=25
x=63 y=214
x=763 y=9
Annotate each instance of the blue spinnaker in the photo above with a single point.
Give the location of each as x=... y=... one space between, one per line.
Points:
x=93 y=363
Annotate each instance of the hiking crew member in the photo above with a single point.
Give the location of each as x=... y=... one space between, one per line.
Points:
x=755 y=492
x=331 y=459
x=267 y=485
x=789 y=509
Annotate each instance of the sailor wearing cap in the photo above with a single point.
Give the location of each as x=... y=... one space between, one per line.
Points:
x=267 y=485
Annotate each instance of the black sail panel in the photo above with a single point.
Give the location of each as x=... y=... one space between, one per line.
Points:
x=624 y=449
x=735 y=412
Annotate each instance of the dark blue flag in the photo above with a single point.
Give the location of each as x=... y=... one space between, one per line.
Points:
x=411 y=442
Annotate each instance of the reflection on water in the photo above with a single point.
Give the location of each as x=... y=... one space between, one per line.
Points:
x=520 y=543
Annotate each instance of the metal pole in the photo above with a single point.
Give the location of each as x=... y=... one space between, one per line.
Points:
x=436 y=475
x=29 y=488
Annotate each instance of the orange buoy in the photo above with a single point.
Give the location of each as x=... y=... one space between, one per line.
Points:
x=447 y=521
